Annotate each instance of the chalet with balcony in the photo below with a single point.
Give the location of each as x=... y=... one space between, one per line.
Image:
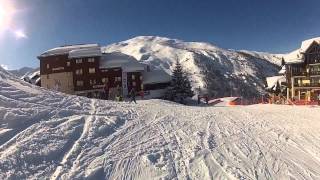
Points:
x=85 y=70
x=302 y=71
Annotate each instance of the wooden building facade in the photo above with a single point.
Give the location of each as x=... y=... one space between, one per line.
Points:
x=85 y=70
x=303 y=72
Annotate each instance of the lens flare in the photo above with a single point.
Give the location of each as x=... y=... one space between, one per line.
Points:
x=7 y=11
x=20 y=34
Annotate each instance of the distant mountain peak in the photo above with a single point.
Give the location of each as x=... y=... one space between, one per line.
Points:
x=22 y=71
x=210 y=67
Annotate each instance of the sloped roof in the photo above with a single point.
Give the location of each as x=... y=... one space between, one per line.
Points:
x=88 y=52
x=272 y=81
x=156 y=76
x=66 y=49
x=306 y=44
x=296 y=56
x=283 y=70
x=117 y=59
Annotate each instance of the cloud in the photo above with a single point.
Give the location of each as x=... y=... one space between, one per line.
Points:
x=4 y=66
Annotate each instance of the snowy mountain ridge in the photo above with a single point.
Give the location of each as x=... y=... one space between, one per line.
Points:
x=217 y=70
x=22 y=71
x=50 y=135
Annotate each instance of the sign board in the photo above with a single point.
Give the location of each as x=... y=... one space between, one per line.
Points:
x=97 y=86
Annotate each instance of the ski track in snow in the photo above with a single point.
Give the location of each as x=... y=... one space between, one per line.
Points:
x=48 y=135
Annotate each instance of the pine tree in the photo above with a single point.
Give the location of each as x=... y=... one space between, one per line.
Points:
x=180 y=87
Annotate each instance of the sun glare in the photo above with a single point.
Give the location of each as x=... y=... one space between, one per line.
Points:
x=6 y=13
x=20 y=34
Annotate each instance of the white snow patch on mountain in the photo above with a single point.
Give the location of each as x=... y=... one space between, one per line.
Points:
x=50 y=135
x=22 y=72
x=6 y=67
x=210 y=67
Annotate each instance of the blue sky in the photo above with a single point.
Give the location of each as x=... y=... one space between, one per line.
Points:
x=276 y=26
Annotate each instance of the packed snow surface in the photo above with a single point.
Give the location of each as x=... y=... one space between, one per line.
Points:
x=48 y=135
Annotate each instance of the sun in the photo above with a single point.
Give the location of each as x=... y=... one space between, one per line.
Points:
x=6 y=14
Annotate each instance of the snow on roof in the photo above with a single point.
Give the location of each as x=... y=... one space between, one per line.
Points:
x=133 y=66
x=156 y=76
x=283 y=70
x=297 y=55
x=66 y=49
x=88 y=52
x=117 y=59
x=294 y=57
x=306 y=44
x=34 y=74
x=272 y=81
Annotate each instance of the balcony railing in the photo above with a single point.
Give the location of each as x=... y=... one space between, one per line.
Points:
x=307 y=85
x=314 y=73
x=299 y=73
x=304 y=73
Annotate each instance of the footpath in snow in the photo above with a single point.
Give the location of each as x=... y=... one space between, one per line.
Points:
x=48 y=135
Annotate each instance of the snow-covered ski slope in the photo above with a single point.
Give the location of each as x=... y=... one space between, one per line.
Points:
x=48 y=135
x=208 y=66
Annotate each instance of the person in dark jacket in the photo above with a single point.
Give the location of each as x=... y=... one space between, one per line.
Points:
x=133 y=95
x=106 y=91
x=141 y=94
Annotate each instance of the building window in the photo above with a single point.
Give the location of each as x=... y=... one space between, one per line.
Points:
x=93 y=82
x=141 y=86
x=90 y=60
x=134 y=83
x=92 y=70
x=79 y=72
x=140 y=78
x=116 y=69
x=133 y=77
x=78 y=61
x=68 y=63
x=48 y=66
x=79 y=83
x=117 y=79
x=104 y=80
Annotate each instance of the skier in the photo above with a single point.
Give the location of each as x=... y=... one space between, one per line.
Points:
x=106 y=91
x=133 y=95
x=141 y=94
x=207 y=99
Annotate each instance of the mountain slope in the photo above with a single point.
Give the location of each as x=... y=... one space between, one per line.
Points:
x=22 y=71
x=50 y=135
x=220 y=71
